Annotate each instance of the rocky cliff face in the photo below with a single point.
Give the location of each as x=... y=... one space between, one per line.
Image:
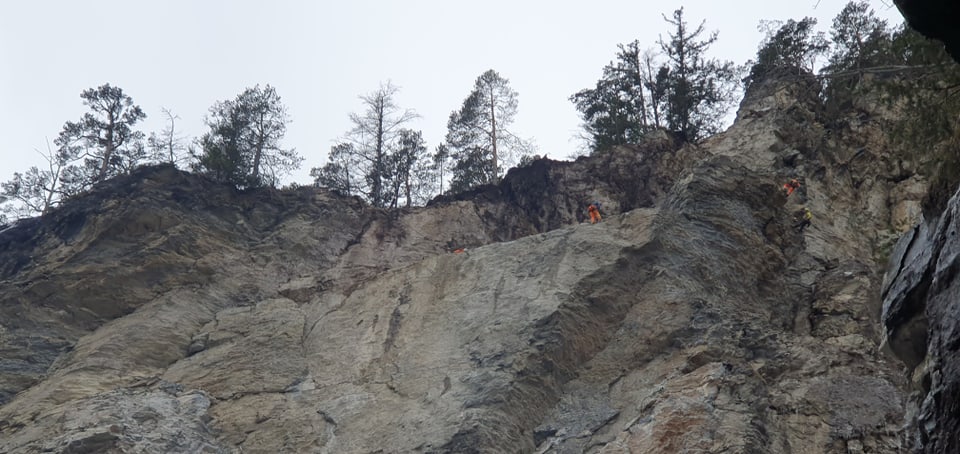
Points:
x=163 y=313
x=921 y=313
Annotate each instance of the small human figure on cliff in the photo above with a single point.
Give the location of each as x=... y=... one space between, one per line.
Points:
x=804 y=217
x=594 y=210
x=791 y=186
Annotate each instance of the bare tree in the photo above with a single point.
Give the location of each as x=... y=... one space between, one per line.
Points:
x=374 y=131
x=168 y=145
x=36 y=191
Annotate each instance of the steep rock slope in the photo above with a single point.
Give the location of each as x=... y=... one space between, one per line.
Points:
x=920 y=306
x=163 y=313
x=921 y=313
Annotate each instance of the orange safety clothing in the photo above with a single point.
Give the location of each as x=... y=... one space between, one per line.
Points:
x=791 y=186
x=594 y=214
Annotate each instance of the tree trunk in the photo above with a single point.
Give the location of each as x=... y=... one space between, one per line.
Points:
x=108 y=147
x=407 y=183
x=377 y=194
x=636 y=77
x=107 y=152
x=258 y=151
x=55 y=165
x=493 y=135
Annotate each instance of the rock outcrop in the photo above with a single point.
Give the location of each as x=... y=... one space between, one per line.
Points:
x=921 y=313
x=936 y=19
x=920 y=307
x=164 y=313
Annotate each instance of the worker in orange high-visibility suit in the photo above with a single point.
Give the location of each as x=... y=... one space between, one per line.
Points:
x=791 y=186
x=594 y=213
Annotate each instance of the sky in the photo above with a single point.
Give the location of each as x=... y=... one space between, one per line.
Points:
x=321 y=55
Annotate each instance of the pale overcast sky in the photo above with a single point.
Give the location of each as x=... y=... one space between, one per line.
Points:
x=185 y=55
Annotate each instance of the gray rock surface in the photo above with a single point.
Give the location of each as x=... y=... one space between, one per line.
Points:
x=921 y=313
x=163 y=313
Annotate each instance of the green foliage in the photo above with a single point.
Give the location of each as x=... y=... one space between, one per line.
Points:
x=686 y=93
x=338 y=173
x=627 y=101
x=790 y=47
x=411 y=170
x=381 y=161
x=225 y=156
x=933 y=108
x=103 y=142
x=858 y=37
x=527 y=160
x=374 y=132
x=408 y=174
x=472 y=167
x=242 y=146
x=860 y=45
x=910 y=75
x=700 y=91
x=478 y=135
x=104 y=138
x=441 y=164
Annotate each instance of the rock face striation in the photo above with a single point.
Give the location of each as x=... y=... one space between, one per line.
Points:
x=164 y=313
x=921 y=305
x=921 y=313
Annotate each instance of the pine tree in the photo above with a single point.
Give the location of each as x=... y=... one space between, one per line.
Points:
x=688 y=93
x=339 y=174
x=790 y=47
x=478 y=135
x=374 y=132
x=104 y=138
x=859 y=38
x=700 y=91
x=441 y=163
x=409 y=163
x=627 y=100
x=243 y=144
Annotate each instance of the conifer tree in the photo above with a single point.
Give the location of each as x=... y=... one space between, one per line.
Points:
x=373 y=136
x=789 y=47
x=700 y=91
x=243 y=144
x=340 y=171
x=104 y=138
x=410 y=170
x=688 y=93
x=627 y=101
x=478 y=135
x=859 y=38
x=441 y=163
